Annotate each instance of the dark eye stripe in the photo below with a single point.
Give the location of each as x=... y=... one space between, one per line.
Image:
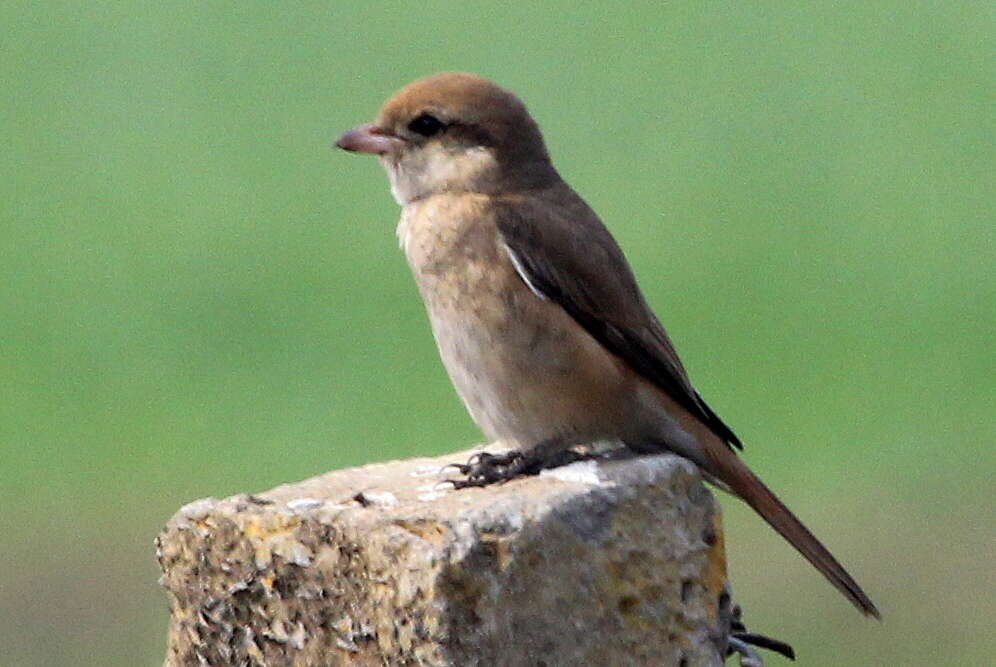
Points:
x=426 y=125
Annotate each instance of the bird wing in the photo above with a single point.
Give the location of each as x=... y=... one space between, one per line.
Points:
x=564 y=253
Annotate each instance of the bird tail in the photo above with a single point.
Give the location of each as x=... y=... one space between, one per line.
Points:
x=735 y=474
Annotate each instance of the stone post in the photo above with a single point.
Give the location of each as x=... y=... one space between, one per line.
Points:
x=616 y=562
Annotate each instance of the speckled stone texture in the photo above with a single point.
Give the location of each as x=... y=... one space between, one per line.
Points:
x=610 y=563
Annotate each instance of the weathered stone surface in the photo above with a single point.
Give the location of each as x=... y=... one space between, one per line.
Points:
x=609 y=563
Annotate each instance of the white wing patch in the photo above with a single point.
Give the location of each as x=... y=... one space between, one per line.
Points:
x=521 y=270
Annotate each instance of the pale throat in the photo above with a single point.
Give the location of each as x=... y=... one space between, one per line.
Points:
x=433 y=169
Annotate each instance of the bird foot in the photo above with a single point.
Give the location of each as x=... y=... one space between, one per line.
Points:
x=483 y=468
x=742 y=642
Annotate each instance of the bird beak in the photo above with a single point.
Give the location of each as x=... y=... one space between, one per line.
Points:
x=369 y=139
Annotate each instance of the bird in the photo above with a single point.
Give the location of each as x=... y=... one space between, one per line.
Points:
x=537 y=315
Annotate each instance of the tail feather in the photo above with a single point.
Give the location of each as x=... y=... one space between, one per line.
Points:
x=735 y=474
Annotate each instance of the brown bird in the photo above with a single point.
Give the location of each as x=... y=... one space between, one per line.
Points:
x=535 y=310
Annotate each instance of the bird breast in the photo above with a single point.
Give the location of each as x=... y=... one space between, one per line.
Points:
x=522 y=366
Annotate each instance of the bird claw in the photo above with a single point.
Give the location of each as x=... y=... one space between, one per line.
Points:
x=483 y=469
x=458 y=484
x=748 y=656
x=743 y=642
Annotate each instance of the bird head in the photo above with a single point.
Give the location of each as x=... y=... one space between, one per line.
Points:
x=454 y=132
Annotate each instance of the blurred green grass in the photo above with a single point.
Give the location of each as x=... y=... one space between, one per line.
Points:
x=197 y=297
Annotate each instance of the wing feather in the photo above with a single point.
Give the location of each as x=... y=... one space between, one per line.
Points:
x=573 y=261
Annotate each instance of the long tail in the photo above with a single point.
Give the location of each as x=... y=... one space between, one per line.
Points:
x=733 y=472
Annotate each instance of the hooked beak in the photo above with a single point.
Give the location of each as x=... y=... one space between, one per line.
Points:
x=369 y=139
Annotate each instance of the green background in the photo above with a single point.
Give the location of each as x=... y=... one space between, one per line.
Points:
x=198 y=297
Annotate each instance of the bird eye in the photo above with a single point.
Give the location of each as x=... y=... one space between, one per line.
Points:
x=426 y=125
